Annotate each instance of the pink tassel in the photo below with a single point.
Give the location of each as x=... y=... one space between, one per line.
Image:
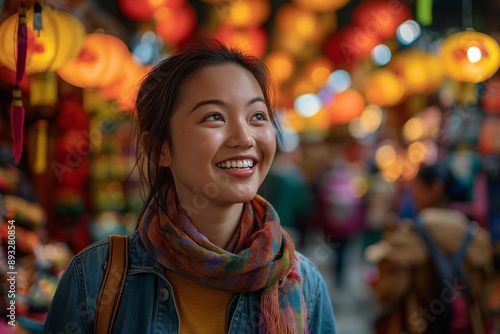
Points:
x=17 y=113
x=22 y=43
x=17 y=123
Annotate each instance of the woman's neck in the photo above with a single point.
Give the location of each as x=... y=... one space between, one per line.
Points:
x=217 y=223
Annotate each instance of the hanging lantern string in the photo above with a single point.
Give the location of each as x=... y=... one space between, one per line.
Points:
x=17 y=112
x=467 y=14
x=37 y=17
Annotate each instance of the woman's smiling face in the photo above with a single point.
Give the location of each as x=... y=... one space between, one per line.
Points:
x=223 y=141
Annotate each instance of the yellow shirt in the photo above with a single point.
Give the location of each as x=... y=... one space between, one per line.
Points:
x=202 y=309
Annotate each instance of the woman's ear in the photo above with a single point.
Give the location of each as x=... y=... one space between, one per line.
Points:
x=165 y=159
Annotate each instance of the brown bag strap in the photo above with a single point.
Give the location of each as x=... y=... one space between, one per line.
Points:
x=112 y=285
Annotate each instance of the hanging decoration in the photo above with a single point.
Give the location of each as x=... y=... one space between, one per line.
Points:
x=469 y=56
x=61 y=40
x=99 y=63
x=17 y=112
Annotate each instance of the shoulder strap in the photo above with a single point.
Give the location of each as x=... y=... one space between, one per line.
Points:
x=112 y=285
x=447 y=265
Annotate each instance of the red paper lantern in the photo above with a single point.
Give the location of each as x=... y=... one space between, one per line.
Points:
x=349 y=45
x=250 y=40
x=346 y=106
x=174 y=25
x=381 y=17
x=100 y=62
x=141 y=10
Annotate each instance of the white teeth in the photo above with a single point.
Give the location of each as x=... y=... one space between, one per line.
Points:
x=236 y=164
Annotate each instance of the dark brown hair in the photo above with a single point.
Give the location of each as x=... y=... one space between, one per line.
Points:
x=160 y=95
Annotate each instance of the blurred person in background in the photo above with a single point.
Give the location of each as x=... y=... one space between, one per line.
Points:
x=413 y=253
x=286 y=187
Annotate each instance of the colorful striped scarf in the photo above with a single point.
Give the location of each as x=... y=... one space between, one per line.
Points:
x=261 y=256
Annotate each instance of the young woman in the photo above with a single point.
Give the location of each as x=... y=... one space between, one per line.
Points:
x=209 y=255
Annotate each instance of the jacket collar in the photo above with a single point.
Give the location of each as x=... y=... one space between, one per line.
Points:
x=139 y=259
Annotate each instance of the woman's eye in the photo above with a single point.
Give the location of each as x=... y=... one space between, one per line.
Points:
x=259 y=117
x=214 y=117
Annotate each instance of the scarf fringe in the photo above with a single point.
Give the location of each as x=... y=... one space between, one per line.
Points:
x=270 y=310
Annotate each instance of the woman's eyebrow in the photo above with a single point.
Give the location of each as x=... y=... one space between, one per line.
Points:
x=256 y=99
x=224 y=104
x=205 y=102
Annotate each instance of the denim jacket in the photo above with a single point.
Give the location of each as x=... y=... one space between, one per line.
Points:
x=148 y=305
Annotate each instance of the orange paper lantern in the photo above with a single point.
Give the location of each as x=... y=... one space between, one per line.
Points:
x=346 y=106
x=281 y=64
x=251 y=40
x=175 y=25
x=60 y=40
x=295 y=21
x=100 y=62
x=248 y=13
x=381 y=18
x=470 y=56
x=124 y=88
x=141 y=10
x=384 y=88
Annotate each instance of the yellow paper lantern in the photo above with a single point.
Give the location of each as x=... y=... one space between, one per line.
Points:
x=384 y=88
x=248 y=13
x=469 y=56
x=60 y=40
x=321 y=5
x=420 y=71
x=99 y=63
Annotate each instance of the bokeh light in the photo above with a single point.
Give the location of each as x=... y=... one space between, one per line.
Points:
x=339 y=81
x=381 y=55
x=408 y=32
x=414 y=129
x=307 y=105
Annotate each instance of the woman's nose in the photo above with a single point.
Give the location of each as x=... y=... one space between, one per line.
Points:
x=240 y=135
